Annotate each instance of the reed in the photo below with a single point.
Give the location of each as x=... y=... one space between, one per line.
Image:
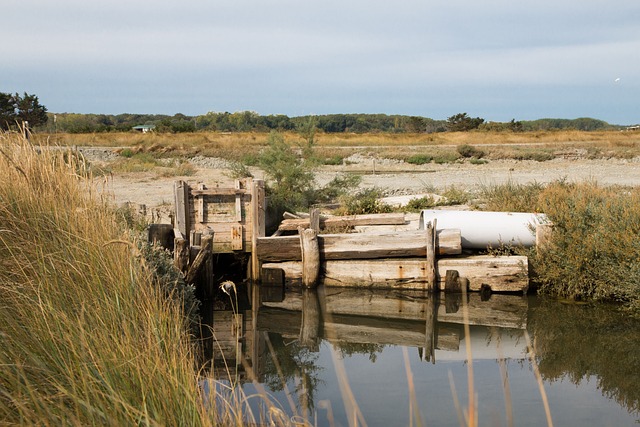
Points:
x=86 y=337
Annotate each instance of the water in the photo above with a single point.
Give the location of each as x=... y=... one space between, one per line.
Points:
x=341 y=354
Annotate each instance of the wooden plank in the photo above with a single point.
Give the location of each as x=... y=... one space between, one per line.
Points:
x=199 y=202
x=181 y=205
x=345 y=221
x=237 y=237
x=360 y=245
x=218 y=192
x=238 y=202
x=502 y=273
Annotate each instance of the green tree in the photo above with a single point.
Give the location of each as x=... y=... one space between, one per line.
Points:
x=30 y=110
x=7 y=111
x=293 y=182
x=461 y=122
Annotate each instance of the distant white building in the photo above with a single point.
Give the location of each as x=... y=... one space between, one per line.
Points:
x=144 y=128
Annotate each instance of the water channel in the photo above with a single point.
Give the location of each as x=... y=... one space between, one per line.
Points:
x=399 y=358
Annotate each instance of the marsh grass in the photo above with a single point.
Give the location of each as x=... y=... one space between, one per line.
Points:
x=86 y=337
x=594 y=246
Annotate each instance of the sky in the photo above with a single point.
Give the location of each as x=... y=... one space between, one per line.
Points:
x=495 y=59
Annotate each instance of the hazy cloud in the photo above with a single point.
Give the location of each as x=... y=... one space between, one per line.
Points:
x=501 y=59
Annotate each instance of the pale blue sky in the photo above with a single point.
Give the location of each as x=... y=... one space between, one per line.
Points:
x=496 y=59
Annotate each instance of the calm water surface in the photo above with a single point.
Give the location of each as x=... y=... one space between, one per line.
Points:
x=340 y=354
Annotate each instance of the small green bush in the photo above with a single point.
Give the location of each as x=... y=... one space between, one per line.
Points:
x=469 y=151
x=454 y=196
x=475 y=161
x=445 y=158
x=419 y=159
x=421 y=203
x=538 y=156
x=336 y=160
x=239 y=170
x=365 y=202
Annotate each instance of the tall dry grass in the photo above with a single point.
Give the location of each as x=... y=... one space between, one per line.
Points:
x=85 y=337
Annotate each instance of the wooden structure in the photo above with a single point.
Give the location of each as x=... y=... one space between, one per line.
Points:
x=320 y=249
x=233 y=218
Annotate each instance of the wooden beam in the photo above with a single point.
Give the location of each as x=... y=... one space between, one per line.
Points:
x=218 y=192
x=360 y=245
x=201 y=258
x=345 y=221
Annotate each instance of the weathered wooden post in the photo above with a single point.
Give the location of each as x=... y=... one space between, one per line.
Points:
x=314 y=219
x=181 y=203
x=181 y=254
x=310 y=257
x=258 y=211
x=431 y=275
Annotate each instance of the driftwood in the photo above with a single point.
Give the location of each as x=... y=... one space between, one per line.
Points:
x=502 y=273
x=360 y=245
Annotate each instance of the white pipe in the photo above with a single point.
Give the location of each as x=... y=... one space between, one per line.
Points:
x=482 y=229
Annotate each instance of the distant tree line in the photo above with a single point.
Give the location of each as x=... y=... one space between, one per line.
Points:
x=246 y=121
x=15 y=109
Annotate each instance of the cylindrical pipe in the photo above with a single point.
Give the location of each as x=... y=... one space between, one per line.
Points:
x=480 y=229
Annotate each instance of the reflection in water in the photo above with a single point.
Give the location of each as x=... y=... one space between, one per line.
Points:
x=287 y=341
x=583 y=341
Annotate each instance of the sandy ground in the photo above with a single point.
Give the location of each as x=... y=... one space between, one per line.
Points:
x=391 y=176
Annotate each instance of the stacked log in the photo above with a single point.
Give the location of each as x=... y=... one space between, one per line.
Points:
x=415 y=259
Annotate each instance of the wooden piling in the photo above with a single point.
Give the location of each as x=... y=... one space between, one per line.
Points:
x=258 y=209
x=310 y=257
